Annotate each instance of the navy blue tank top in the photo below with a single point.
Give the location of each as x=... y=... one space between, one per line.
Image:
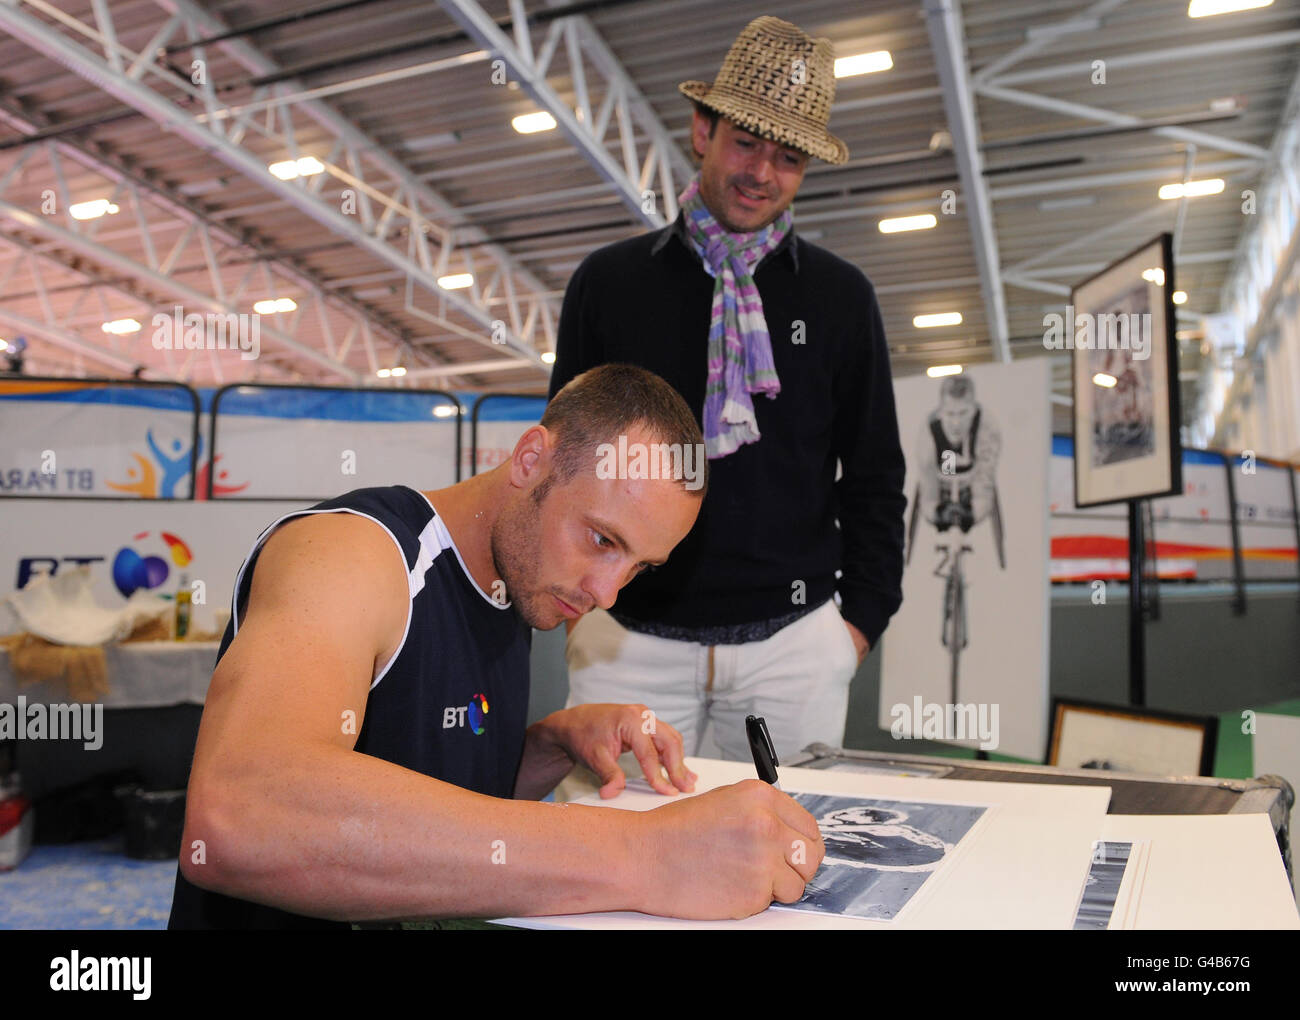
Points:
x=452 y=703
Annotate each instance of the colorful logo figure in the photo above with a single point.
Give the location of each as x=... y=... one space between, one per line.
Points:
x=478 y=709
x=159 y=481
x=133 y=572
x=219 y=488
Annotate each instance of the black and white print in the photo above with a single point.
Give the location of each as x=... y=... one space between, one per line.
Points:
x=879 y=852
x=1104 y=877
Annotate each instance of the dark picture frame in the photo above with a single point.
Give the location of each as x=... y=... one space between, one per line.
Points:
x=1127 y=441
x=1113 y=725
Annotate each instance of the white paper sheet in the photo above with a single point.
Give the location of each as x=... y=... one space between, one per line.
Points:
x=1024 y=867
x=1207 y=872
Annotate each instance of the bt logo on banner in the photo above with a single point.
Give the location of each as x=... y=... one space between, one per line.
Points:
x=474 y=713
x=131 y=570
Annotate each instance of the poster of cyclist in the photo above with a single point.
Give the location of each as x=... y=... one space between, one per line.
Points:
x=965 y=658
x=1124 y=414
x=1126 y=418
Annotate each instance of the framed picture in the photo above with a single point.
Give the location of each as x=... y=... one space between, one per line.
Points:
x=1120 y=328
x=1086 y=735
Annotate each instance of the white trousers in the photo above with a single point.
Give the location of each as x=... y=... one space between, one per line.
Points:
x=798 y=680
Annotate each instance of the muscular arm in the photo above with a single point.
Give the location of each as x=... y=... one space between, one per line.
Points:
x=290 y=815
x=983 y=481
x=927 y=471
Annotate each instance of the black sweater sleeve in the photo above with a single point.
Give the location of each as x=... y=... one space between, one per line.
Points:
x=577 y=346
x=870 y=491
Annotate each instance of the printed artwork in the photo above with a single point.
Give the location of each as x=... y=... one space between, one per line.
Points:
x=879 y=853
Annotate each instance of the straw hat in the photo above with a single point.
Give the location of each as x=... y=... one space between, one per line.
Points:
x=777 y=82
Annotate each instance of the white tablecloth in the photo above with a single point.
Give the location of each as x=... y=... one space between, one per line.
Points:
x=144 y=674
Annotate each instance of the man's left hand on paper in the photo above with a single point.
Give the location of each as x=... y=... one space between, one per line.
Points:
x=595 y=735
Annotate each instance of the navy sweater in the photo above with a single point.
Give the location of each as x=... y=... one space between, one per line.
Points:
x=769 y=520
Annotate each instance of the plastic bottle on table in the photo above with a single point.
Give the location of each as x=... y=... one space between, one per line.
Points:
x=183 y=608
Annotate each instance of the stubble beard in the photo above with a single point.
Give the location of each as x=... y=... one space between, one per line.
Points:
x=717 y=204
x=514 y=548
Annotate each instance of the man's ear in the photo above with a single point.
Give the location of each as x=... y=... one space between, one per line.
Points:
x=700 y=134
x=531 y=457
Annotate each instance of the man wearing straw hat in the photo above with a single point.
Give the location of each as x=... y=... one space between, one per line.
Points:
x=791 y=573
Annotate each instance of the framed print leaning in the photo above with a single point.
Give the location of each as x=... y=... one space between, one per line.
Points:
x=1120 y=328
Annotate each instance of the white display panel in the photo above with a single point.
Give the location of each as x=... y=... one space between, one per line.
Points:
x=987 y=647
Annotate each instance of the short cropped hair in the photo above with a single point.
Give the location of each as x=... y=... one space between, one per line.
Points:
x=957 y=387
x=608 y=401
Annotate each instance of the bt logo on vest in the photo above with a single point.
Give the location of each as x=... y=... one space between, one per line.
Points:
x=474 y=713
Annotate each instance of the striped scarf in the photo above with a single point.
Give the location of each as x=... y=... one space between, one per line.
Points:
x=740 y=349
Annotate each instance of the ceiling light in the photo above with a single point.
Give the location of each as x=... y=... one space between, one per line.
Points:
x=384 y=373
x=202 y=187
x=937 y=319
x=1192 y=189
x=270 y=306
x=456 y=281
x=531 y=123
x=1209 y=8
x=1180 y=297
x=548 y=357
x=1156 y=276
x=399 y=371
x=92 y=210
x=863 y=63
x=444 y=411
x=897 y=224
x=305 y=166
x=120 y=327
x=1073 y=202
x=437 y=141
x=935 y=371
x=1102 y=379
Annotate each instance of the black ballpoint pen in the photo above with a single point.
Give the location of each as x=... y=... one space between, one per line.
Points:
x=760 y=746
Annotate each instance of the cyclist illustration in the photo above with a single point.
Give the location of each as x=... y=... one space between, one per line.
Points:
x=1124 y=414
x=956 y=463
x=875 y=837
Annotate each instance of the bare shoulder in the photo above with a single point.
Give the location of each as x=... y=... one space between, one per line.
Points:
x=318 y=557
x=333 y=579
x=329 y=597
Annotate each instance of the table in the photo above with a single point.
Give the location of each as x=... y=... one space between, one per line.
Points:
x=1010 y=868
x=141 y=674
x=1131 y=794
x=151 y=717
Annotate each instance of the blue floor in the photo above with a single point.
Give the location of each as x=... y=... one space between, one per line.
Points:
x=86 y=885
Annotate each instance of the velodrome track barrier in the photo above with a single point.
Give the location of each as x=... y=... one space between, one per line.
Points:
x=313 y=442
x=137 y=440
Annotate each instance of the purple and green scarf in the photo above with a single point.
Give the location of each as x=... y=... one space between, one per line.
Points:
x=740 y=348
